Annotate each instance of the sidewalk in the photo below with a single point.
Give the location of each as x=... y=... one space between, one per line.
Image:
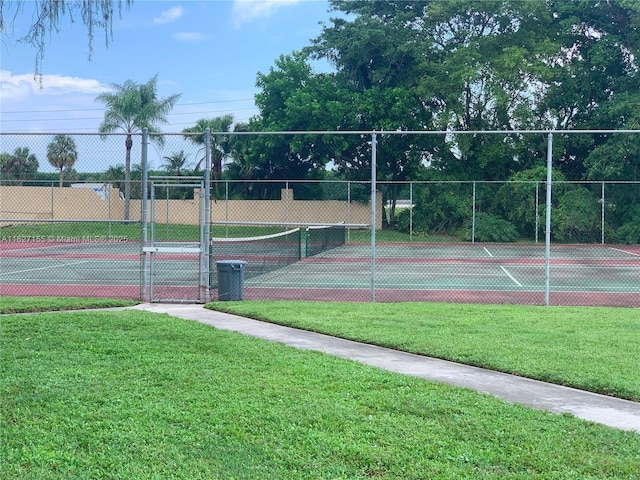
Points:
x=614 y=412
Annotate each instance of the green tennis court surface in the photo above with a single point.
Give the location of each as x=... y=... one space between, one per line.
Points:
x=409 y=271
x=463 y=268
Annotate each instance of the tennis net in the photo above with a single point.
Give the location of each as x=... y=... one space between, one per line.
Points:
x=263 y=253
x=322 y=238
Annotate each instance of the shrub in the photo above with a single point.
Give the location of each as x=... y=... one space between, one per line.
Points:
x=403 y=220
x=439 y=208
x=490 y=228
x=577 y=217
x=629 y=233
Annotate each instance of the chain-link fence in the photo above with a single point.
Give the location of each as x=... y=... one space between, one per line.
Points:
x=75 y=224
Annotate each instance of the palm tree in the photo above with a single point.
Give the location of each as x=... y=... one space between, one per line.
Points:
x=62 y=153
x=114 y=176
x=175 y=163
x=130 y=108
x=219 y=146
x=19 y=166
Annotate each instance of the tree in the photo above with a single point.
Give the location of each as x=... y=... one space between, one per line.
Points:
x=380 y=54
x=5 y=163
x=593 y=80
x=294 y=98
x=114 y=175
x=131 y=107
x=19 y=166
x=175 y=163
x=464 y=65
x=62 y=154
x=48 y=16
x=219 y=144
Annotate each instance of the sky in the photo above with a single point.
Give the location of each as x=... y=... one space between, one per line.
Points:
x=209 y=52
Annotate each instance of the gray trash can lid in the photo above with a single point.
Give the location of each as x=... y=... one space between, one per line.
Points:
x=231 y=262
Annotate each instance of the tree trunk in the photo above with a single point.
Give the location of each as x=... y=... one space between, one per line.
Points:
x=127 y=176
x=217 y=169
x=61 y=176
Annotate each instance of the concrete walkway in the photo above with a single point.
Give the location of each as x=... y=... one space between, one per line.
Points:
x=614 y=412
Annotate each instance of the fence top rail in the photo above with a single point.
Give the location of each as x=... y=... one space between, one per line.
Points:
x=190 y=185
x=414 y=132
x=63 y=220
x=406 y=182
x=348 y=132
x=77 y=134
x=175 y=177
x=48 y=183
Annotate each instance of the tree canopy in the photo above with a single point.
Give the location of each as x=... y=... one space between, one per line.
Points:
x=17 y=167
x=456 y=65
x=48 y=16
x=62 y=154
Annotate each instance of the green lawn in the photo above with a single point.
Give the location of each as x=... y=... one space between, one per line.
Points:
x=132 y=231
x=41 y=304
x=595 y=349
x=137 y=395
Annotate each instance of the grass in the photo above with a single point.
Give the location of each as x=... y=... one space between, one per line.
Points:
x=41 y=304
x=136 y=395
x=130 y=231
x=593 y=349
x=177 y=232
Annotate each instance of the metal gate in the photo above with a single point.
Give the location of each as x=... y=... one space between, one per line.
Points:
x=176 y=254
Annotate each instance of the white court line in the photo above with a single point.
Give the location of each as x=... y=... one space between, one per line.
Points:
x=45 y=268
x=510 y=276
x=624 y=251
x=504 y=269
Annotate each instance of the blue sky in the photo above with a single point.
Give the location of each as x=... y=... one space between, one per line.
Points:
x=207 y=51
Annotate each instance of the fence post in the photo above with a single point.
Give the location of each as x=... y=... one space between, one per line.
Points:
x=411 y=211
x=143 y=215
x=166 y=210
x=107 y=191
x=602 y=221
x=374 y=154
x=226 y=207
x=286 y=202
x=547 y=239
x=205 y=239
x=348 y=209
x=537 y=209
x=52 y=208
x=473 y=215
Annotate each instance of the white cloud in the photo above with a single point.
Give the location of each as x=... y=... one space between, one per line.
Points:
x=15 y=87
x=246 y=11
x=190 y=36
x=169 y=16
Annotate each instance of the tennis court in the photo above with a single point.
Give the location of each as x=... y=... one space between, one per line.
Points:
x=288 y=266
x=589 y=275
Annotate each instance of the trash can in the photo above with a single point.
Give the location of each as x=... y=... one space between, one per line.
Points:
x=230 y=279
